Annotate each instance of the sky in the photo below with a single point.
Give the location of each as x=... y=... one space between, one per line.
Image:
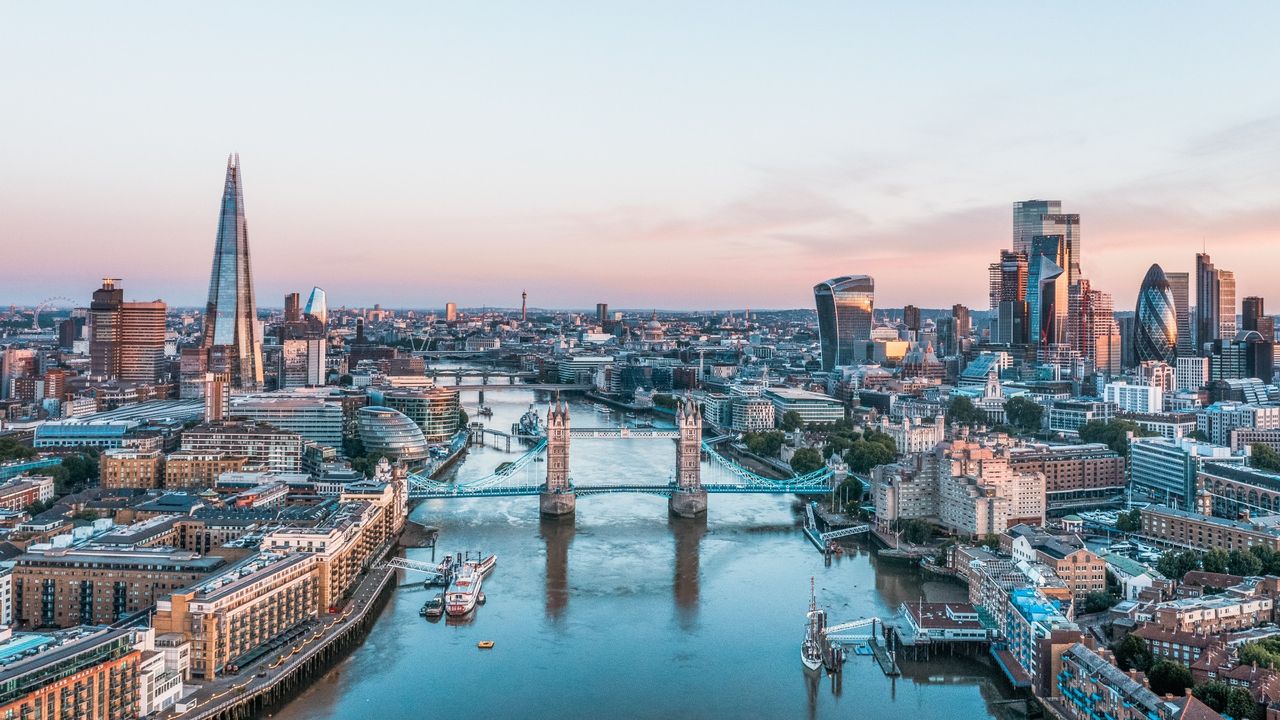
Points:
x=706 y=155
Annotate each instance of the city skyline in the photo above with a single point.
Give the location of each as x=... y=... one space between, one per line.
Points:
x=852 y=168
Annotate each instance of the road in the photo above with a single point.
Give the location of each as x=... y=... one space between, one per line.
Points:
x=225 y=691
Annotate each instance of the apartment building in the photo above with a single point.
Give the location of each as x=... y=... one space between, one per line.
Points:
x=128 y=468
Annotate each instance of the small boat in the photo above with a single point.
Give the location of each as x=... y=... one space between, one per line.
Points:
x=481 y=600
x=434 y=607
x=485 y=644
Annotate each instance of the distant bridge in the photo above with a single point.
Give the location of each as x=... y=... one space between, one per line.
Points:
x=687 y=493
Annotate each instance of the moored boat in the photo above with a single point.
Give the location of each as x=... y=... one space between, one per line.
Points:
x=434 y=607
x=464 y=591
x=485 y=566
x=811 y=649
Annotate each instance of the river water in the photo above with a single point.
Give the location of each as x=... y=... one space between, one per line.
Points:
x=626 y=613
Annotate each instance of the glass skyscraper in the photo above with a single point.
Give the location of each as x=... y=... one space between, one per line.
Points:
x=1028 y=221
x=845 y=305
x=1047 y=291
x=1180 y=284
x=1155 y=331
x=232 y=335
x=317 y=307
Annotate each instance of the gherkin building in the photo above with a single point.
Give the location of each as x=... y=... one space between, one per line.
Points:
x=1155 y=332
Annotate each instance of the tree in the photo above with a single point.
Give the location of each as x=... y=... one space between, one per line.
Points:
x=1129 y=521
x=345 y=380
x=1213 y=693
x=806 y=460
x=884 y=439
x=1244 y=563
x=1174 y=565
x=1096 y=602
x=463 y=419
x=1169 y=678
x=864 y=455
x=766 y=444
x=990 y=542
x=1264 y=457
x=1132 y=653
x=915 y=531
x=11 y=449
x=80 y=469
x=1240 y=704
x=962 y=411
x=1113 y=434
x=1216 y=561
x=1264 y=652
x=1024 y=414
x=791 y=421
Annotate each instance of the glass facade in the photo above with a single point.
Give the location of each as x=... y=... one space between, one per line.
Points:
x=845 y=305
x=391 y=434
x=1155 y=333
x=230 y=320
x=1046 y=296
x=1028 y=221
x=1180 y=284
x=317 y=307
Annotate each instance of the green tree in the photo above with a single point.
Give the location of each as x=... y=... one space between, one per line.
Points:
x=837 y=445
x=990 y=542
x=791 y=420
x=1096 y=602
x=1113 y=434
x=884 y=439
x=11 y=449
x=1265 y=652
x=1214 y=693
x=80 y=469
x=1169 y=678
x=915 y=531
x=962 y=411
x=463 y=418
x=345 y=380
x=1132 y=653
x=1024 y=414
x=1129 y=521
x=806 y=460
x=1216 y=561
x=1242 y=562
x=1240 y=704
x=1264 y=458
x=864 y=455
x=1174 y=565
x=663 y=400
x=765 y=444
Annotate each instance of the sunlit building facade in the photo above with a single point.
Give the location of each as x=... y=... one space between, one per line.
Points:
x=317 y=307
x=232 y=334
x=845 y=305
x=1046 y=291
x=1155 y=333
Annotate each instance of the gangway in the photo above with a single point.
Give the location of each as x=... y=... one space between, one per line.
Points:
x=399 y=563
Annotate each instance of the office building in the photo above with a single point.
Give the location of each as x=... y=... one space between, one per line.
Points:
x=189 y=469
x=911 y=318
x=1128 y=398
x=302 y=363
x=1047 y=292
x=602 y=313
x=1226 y=304
x=1217 y=421
x=126 y=339
x=1091 y=325
x=232 y=333
x=1166 y=471
x=1028 y=221
x=1156 y=326
x=1197 y=531
x=813 y=408
x=845 y=306
x=312 y=417
x=93 y=673
x=1253 y=316
x=1192 y=373
x=261 y=445
x=1215 y=302
x=1180 y=286
x=1075 y=475
x=434 y=409
x=391 y=434
x=451 y=312
x=1247 y=355
x=292 y=307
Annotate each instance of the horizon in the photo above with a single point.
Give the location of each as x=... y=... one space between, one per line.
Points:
x=412 y=156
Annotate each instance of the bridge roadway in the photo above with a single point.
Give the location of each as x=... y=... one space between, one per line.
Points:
x=499 y=387
x=463 y=491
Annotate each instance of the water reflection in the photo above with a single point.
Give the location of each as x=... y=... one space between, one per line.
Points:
x=688 y=534
x=558 y=534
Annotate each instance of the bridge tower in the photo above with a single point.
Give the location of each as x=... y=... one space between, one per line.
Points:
x=557 y=497
x=688 y=498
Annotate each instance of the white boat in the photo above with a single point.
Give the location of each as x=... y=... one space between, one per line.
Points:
x=811 y=649
x=485 y=566
x=464 y=591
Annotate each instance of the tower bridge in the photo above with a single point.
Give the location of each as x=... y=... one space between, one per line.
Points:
x=687 y=493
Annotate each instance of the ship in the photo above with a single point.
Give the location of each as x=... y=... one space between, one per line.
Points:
x=530 y=424
x=811 y=649
x=485 y=566
x=464 y=591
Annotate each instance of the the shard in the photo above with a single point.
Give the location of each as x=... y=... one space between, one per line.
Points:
x=232 y=335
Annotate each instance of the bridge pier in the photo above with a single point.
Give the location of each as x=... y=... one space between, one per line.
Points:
x=557 y=503
x=688 y=503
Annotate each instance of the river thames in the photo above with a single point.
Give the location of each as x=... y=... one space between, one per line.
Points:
x=624 y=612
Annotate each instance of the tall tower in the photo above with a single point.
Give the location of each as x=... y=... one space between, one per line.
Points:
x=524 y=306
x=557 y=497
x=231 y=317
x=688 y=497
